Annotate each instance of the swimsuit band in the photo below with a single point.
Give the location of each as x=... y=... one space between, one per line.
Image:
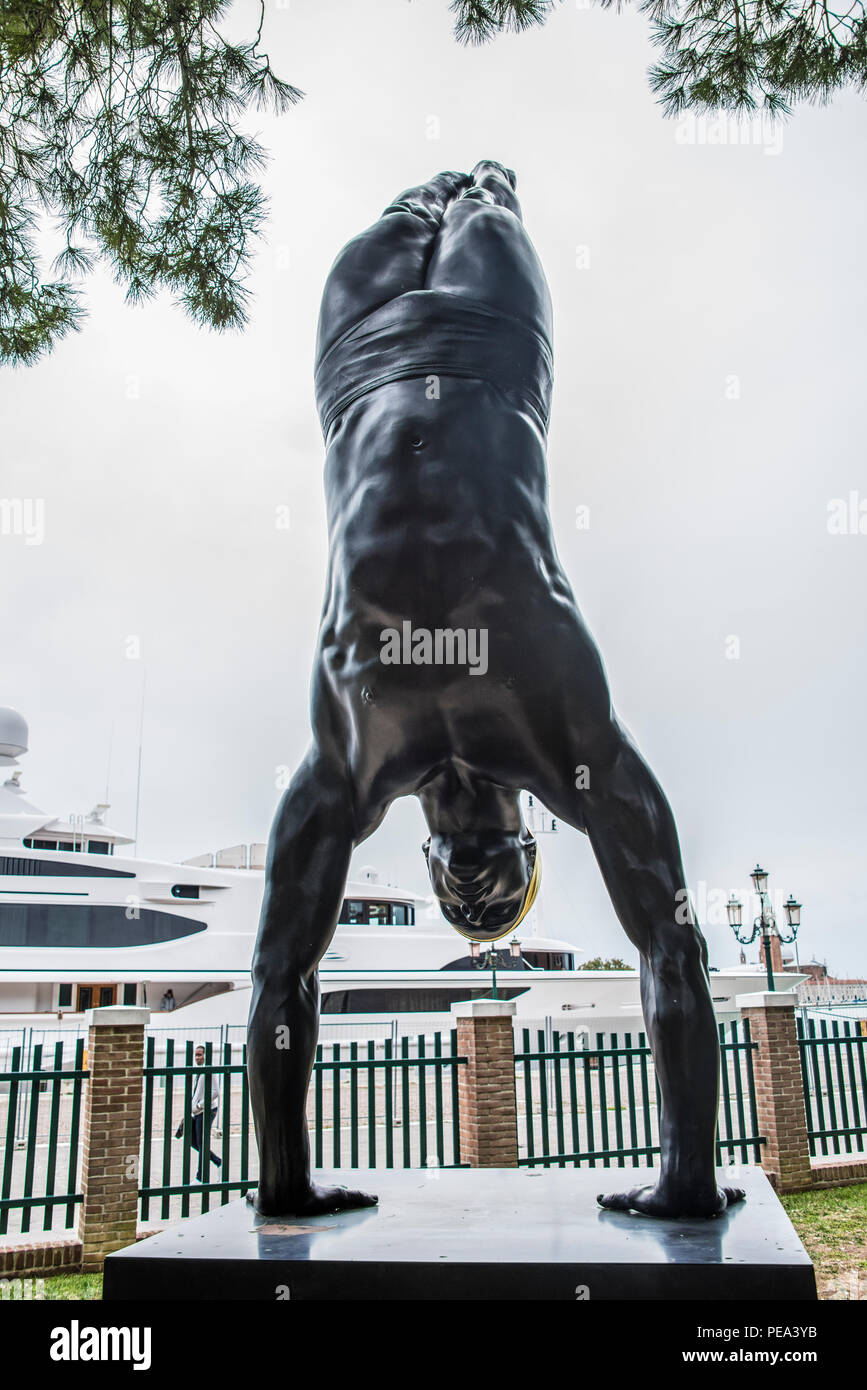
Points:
x=435 y=333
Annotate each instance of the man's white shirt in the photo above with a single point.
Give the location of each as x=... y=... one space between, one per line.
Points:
x=198 y=1097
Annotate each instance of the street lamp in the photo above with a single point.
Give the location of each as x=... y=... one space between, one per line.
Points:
x=766 y=922
x=489 y=963
x=492 y=958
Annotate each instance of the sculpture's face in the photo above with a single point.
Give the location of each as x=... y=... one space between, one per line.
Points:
x=481 y=880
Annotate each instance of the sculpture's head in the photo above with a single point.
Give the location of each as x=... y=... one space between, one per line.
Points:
x=486 y=883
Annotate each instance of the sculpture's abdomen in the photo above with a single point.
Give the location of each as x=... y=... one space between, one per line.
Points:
x=434 y=500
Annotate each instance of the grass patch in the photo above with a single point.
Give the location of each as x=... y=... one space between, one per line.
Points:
x=832 y=1223
x=74 y=1286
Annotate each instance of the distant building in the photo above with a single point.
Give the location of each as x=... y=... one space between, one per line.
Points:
x=822 y=988
x=779 y=962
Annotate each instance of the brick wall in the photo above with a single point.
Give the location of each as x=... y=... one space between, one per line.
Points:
x=40 y=1257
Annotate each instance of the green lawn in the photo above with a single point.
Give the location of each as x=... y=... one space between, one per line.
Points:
x=74 y=1286
x=832 y=1223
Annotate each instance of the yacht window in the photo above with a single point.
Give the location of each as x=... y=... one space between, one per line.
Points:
x=56 y=925
x=41 y=844
x=64 y=996
x=18 y=865
x=129 y=993
x=185 y=890
x=97 y=846
x=428 y=999
x=354 y=912
x=549 y=960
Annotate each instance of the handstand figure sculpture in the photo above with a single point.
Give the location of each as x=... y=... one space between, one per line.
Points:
x=433 y=382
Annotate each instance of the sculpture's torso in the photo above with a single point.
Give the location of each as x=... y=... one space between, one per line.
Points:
x=438 y=515
x=437 y=510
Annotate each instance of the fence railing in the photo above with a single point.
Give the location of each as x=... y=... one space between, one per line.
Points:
x=370 y=1104
x=363 y=1094
x=40 y=1120
x=834 y=1077
x=394 y=1104
x=600 y=1105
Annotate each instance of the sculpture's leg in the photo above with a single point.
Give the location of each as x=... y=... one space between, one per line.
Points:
x=388 y=259
x=308 y=860
x=632 y=831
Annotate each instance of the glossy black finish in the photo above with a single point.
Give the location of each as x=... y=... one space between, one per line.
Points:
x=438 y=519
x=522 y=1234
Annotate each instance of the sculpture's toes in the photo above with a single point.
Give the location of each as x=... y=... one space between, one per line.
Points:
x=328 y=1200
x=486 y=167
x=615 y=1201
x=452 y=182
x=733 y=1195
x=491 y=182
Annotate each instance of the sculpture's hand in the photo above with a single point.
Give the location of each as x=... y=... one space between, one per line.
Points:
x=318 y=1201
x=666 y=1202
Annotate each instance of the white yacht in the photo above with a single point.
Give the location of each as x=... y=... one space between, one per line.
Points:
x=84 y=923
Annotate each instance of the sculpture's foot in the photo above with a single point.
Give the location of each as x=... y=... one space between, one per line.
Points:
x=669 y=1201
x=490 y=168
x=313 y=1201
x=431 y=199
x=495 y=184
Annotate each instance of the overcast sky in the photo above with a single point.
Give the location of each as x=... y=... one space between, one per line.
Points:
x=709 y=407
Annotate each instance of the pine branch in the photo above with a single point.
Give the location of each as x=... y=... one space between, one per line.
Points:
x=477 y=21
x=737 y=55
x=119 y=119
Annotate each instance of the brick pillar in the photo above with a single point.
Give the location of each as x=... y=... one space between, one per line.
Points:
x=486 y=1085
x=111 y=1132
x=779 y=1088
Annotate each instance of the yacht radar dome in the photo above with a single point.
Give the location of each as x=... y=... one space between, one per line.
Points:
x=13 y=736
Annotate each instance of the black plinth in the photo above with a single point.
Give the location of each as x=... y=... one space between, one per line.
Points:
x=474 y=1234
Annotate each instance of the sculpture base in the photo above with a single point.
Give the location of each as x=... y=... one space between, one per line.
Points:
x=474 y=1233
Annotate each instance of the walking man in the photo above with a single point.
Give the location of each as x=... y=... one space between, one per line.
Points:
x=206 y=1091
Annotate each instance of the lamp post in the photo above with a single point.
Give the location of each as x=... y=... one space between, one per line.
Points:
x=766 y=923
x=492 y=957
x=489 y=963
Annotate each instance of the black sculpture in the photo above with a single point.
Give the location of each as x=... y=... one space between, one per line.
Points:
x=453 y=665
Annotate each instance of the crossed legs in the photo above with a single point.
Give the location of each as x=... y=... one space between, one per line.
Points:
x=458 y=232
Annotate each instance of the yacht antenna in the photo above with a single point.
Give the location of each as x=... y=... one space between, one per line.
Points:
x=144 y=677
x=108 y=763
